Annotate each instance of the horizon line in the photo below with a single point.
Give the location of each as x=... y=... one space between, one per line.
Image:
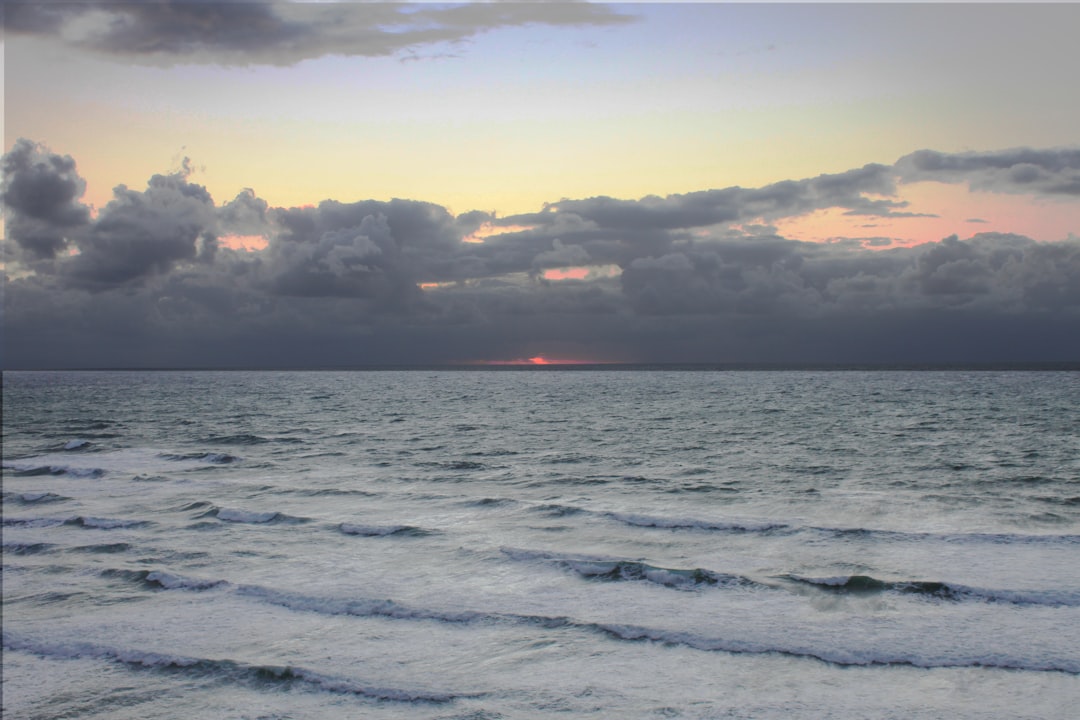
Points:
x=1065 y=365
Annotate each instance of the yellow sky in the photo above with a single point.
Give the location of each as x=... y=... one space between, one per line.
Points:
x=685 y=98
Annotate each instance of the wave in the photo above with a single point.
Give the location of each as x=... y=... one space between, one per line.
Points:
x=867 y=585
x=700 y=488
x=362 y=607
x=240 y=439
x=488 y=502
x=210 y=457
x=453 y=465
x=556 y=510
x=77 y=445
x=382 y=530
x=326 y=492
x=104 y=523
x=246 y=516
x=569 y=459
x=839 y=656
x=225 y=670
x=614 y=570
x=107 y=548
x=18 y=548
x=697 y=524
x=170 y=581
x=782 y=528
x=196 y=505
x=77 y=424
x=951 y=538
x=23 y=469
x=161 y=580
x=34 y=498
x=32 y=522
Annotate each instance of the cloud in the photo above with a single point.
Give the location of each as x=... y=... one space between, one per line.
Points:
x=139 y=234
x=788 y=198
x=244 y=32
x=695 y=277
x=40 y=192
x=561 y=256
x=1052 y=172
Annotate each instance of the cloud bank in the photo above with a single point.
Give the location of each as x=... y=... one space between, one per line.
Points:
x=152 y=279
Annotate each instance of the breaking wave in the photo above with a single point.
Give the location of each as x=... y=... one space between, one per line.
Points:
x=34 y=498
x=613 y=570
x=697 y=524
x=867 y=585
x=840 y=655
x=24 y=469
x=245 y=516
x=225 y=670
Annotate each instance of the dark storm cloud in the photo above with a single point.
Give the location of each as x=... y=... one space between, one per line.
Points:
x=40 y=192
x=279 y=33
x=774 y=276
x=147 y=282
x=1054 y=172
x=368 y=248
x=139 y=234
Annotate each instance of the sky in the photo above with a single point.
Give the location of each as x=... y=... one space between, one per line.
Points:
x=321 y=184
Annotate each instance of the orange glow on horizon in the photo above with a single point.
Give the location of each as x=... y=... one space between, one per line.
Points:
x=540 y=360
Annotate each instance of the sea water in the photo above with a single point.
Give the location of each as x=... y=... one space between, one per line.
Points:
x=511 y=544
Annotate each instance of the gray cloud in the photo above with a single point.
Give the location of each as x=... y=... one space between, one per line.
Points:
x=561 y=256
x=138 y=234
x=735 y=204
x=243 y=32
x=40 y=192
x=1054 y=172
x=146 y=281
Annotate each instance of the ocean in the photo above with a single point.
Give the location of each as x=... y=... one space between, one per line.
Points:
x=529 y=544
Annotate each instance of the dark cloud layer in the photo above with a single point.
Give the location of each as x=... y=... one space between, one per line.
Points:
x=149 y=280
x=277 y=33
x=1022 y=170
